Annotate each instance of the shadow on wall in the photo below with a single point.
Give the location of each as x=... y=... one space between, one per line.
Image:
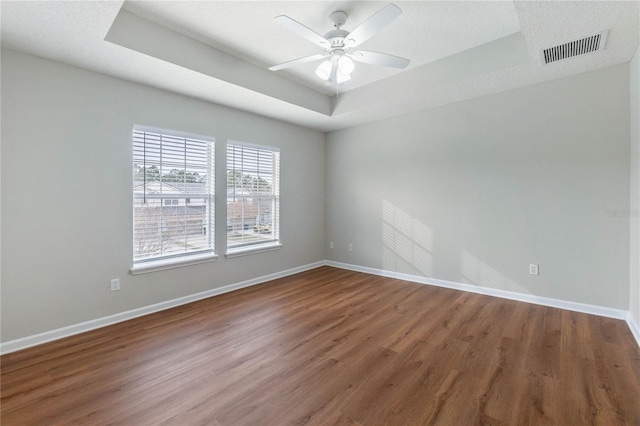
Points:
x=476 y=272
x=407 y=244
x=408 y=248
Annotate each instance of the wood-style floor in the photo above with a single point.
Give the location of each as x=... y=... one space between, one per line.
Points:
x=330 y=346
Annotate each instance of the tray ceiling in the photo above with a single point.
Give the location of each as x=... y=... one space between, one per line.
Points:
x=219 y=51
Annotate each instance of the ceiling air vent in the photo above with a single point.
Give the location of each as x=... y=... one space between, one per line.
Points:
x=575 y=48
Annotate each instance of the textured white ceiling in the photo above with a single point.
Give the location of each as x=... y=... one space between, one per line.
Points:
x=459 y=50
x=426 y=31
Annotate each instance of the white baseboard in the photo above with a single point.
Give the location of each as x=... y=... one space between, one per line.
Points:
x=48 y=336
x=634 y=327
x=521 y=297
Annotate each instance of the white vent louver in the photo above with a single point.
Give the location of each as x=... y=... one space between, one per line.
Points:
x=574 y=48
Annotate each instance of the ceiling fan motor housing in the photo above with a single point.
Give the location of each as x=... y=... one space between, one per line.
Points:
x=336 y=38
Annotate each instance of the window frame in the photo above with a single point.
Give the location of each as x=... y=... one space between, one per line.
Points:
x=176 y=259
x=275 y=243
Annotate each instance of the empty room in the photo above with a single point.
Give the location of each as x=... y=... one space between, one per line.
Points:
x=320 y=212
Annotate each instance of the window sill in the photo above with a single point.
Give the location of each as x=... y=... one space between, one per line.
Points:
x=178 y=262
x=245 y=251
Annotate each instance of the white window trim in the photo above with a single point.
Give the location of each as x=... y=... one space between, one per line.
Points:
x=233 y=252
x=177 y=133
x=245 y=251
x=177 y=262
x=146 y=266
x=253 y=145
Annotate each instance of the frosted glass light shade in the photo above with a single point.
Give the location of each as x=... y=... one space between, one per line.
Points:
x=324 y=70
x=342 y=77
x=345 y=65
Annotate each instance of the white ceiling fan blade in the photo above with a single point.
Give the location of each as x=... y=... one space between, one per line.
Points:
x=304 y=31
x=373 y=25
x=298 y=61
x=375 y=58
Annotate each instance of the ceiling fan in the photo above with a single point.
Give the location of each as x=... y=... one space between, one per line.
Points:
x=338 y=45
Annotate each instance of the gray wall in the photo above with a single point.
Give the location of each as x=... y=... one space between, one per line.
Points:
x=476 y=191
x=66 y=194
x=471 y=192
x=634 y=252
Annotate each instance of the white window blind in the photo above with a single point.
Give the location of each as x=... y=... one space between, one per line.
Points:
x=253 y=196
x=173 y=195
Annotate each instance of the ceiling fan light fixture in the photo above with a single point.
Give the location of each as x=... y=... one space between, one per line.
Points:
x=341 y=78
x=345 y=66
x=324 y=70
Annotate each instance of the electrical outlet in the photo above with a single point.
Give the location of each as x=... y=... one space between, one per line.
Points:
x=331 y=244
x=350 y=246
x=115 y=284
x=533 y=269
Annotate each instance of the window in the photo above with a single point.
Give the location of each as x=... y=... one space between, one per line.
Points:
x=173 y=196
x=253 y=174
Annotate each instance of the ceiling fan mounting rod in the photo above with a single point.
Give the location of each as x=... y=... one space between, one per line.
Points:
x=338 y=18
